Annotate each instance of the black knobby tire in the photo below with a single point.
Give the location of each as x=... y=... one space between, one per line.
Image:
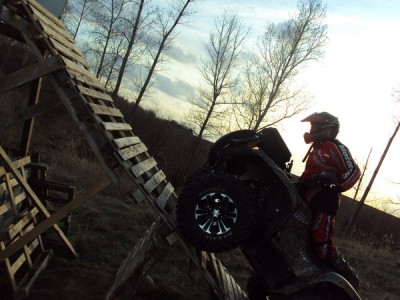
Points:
x=216 y=212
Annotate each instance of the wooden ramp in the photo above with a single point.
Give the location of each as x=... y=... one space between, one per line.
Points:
x=110 y=137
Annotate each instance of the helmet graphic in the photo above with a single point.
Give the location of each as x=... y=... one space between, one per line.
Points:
x=324 y=126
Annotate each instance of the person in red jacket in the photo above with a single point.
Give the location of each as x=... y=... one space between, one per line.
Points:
x=329 y=171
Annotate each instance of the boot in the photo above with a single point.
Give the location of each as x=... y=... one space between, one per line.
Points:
x=342 y=267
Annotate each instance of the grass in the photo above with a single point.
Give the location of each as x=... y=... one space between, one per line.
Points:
x=378 y=268
x=107 y=227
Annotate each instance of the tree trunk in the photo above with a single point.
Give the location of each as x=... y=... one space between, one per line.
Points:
x=129 y=49
x=156 y=59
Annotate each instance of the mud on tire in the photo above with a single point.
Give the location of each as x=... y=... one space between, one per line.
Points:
x=216 y=212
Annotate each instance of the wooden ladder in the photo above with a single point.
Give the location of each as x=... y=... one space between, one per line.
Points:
x=104 y=127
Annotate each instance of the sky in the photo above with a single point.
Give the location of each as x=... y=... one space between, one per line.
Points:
x=355 y=80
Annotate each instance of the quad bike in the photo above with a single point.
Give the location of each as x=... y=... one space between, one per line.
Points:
x=244 y=197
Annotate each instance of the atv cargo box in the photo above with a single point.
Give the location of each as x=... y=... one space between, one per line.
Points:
x=274 y=146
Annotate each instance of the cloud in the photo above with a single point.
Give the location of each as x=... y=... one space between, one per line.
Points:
x=176 y=88
x=167 y=107
x=185 y=56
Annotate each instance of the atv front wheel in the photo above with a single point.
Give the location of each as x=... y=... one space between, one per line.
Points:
x=216 y=212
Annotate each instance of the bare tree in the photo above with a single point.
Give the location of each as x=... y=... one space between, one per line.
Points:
x=166 y=19
x=217 y=70
x=116 y=50
x=108 y=18
x=134 y=32
x=166 y=23
x=76 y=12
x=281 y=51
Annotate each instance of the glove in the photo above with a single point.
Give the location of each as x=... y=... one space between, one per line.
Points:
x=332 y=187
x=325 y=177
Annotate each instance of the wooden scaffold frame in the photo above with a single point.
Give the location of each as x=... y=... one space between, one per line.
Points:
x=111 y=139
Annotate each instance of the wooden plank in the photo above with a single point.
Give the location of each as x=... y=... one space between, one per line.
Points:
x=61 y=31
x=17 y=163
x=94 y=94
x=98 y=109
x=26 y=249
x=8 y=267
x=17 y=264
x=142 y=250
x=69 y=53
x=165 y=195
x=4 y=208
x=53 y=219
x=111 y=126
x=11 y=194
x=226 y=278
x=154 y=181
x=27 y=228
x=27 y=130
x=17 y=227
x=29 y=73
x=89 y=80
x=12 y=183
x=132 y=151
x=71 y=65
x=20 y=197
x=204 y=260
x=55 y=32
x=22 y=258
x=144 y=166
x=126 y=141
x=213 y=269
x=9 y=164
x=45 y=12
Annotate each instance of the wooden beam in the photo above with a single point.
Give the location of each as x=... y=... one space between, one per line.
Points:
x=36 y=87
x=37 y=70
x=54 y=218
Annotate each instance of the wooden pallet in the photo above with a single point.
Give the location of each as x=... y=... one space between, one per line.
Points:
x=103 y=125
x=18 y=215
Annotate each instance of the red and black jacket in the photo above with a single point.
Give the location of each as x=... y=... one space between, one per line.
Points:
x=332 y=156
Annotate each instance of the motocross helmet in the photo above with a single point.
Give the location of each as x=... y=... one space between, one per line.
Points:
x=324 y=126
